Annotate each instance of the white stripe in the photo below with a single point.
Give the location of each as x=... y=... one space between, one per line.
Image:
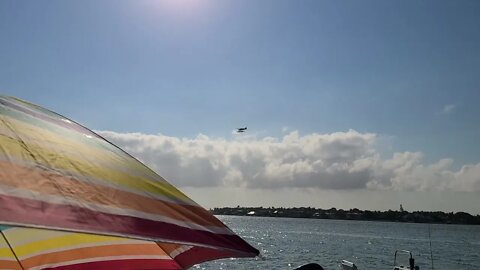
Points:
x=3 y=244
x=100 y=259
x=179 y=251
x=28 y=194
x=13 y=233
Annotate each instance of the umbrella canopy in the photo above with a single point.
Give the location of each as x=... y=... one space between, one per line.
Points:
x=68 y=197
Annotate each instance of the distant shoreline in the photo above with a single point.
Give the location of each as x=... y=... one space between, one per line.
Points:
x=437 y=217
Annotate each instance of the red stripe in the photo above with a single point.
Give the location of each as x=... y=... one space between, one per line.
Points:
x=122 y=265
x=33 y=212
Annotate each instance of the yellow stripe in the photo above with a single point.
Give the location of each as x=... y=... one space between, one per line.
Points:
x=5 y=252
x=52 y=140
x=65 y=242
x=90 y=169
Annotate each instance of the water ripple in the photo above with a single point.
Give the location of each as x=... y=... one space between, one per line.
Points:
x=287 y=243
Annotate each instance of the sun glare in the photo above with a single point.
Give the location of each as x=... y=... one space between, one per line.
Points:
x=180 y=6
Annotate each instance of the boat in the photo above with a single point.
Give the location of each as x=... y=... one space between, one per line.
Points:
x=347 y=265
x=411 y=261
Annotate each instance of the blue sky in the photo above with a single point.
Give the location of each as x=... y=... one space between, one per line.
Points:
x=408 y=71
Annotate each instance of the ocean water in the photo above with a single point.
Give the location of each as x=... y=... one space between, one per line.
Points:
x=286 y=243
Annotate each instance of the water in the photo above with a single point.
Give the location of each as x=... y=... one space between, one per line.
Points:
x=287 y=243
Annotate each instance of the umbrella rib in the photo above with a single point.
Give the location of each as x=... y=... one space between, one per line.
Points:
x=13 y=251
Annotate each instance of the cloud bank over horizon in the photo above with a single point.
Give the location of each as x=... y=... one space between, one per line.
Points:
x=335 y=161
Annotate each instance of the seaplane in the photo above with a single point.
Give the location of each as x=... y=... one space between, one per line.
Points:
x=241 y=130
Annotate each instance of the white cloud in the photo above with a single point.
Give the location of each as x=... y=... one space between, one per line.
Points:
x=450 y=108
x=341 y=160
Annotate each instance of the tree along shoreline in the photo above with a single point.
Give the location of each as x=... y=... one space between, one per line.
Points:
x=352 y=214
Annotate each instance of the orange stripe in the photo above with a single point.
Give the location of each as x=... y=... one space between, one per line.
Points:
x=92 y=252
x=13 y=265
x=55 y=184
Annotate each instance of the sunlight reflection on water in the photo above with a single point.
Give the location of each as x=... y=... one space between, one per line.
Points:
x=287 y=243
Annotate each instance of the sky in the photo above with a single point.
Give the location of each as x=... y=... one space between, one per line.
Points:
x=367 y=104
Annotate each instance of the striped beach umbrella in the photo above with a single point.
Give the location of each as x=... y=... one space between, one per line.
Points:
x=69 y=199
